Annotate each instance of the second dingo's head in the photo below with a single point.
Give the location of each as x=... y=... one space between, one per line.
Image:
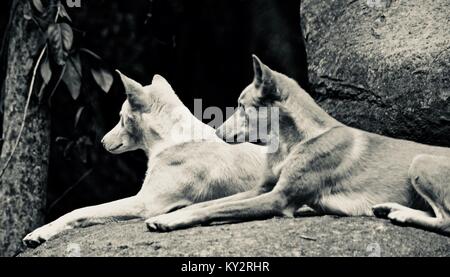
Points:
x=275 y=106
x=257 y=115
x=145 y=117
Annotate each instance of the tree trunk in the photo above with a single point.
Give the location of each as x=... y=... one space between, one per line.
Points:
x=23 y=185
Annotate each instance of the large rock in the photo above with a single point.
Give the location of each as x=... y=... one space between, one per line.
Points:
x=382 y=67
x=315 y=236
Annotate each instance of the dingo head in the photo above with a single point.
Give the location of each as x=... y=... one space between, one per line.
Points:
x=274 y=106
x=257 y=113
x=146 y=116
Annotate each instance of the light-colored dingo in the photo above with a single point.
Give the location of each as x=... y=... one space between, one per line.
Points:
x=187 y=162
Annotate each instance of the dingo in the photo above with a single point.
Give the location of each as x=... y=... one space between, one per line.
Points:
x=187 y=164
x=332 y=168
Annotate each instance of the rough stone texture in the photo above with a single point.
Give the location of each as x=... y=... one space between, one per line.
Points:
x=23 y=185
x=315 y=236
x=386 y=69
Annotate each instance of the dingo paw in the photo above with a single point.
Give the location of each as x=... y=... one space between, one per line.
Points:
x=158 y=224
x=168 y=222
x=38 y=236
x=397 y=213
x=384 y=210
x=400 y=217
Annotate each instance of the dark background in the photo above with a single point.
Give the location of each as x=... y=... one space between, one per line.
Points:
x=203 y=47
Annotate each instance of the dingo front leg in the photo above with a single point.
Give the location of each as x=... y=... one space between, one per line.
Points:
x=263 y=206
x=128 y=208
x=239 y=196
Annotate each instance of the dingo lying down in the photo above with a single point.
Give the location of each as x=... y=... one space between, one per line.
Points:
x=187 y=164
x=328 y=166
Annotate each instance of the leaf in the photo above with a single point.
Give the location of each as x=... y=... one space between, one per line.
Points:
x=27 y=11
x=103 y=77
x=72 y=76
x=38 y=5
x=61 y=75
x=68 y=148
x=78 y=116
x=41 y=92
x=87 y=51
x=60 y=37
x=63 y=12
x=46 y=71
x=67 y=36
x=76 y=62
x=61 y=139
x=46 y=74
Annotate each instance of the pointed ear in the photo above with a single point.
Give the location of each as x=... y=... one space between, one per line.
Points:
x=258 y=70
x=263 y=74
x=158 y=79
x=264 y=78
x=133 y=89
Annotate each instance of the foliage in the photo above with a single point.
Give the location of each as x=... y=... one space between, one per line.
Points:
x=59 y=55
x=66 y=59
x=62 y=56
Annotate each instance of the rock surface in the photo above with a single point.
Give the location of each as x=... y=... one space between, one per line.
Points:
x=314 y=236
x=382 y=67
